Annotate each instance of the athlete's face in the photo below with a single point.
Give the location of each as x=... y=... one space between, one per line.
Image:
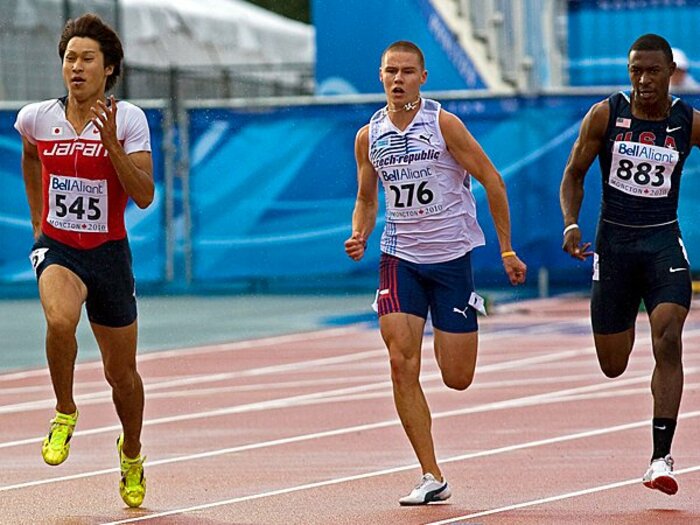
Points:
x=650 y=73
x=402 y=75
x=84 y=72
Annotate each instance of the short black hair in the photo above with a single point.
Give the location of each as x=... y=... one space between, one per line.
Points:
x=652 y=42
x=91 y=26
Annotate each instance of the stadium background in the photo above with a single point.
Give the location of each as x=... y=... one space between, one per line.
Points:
x=254 y=162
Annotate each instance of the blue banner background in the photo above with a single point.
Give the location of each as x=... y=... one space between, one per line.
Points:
x=351 y=38
x=603 y=61
x=273 y=190
x=146 y=227
x=272 y=194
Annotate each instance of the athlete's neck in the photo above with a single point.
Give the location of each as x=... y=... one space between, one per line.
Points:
x=408 y=106
x=658 y=111
x=78 y=112
x=402 y=116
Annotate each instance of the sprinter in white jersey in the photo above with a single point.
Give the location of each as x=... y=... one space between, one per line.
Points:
x=424 y=157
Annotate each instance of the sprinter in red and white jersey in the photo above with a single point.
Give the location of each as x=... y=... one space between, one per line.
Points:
x=84 y=195
x=84 y=156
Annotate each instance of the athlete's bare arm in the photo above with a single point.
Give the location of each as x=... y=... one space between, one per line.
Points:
x=364 y=216
x=31 y=170
x=583 y=153
x=469 y=154
x=135 y=171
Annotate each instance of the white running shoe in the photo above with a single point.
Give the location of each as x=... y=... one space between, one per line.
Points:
x=660 y=476
x=428 y=489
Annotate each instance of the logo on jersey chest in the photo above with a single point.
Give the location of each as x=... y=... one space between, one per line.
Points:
x=648 y=137
x=651 y=152
x=394 y=149
x=66 y=149
x=75 y=185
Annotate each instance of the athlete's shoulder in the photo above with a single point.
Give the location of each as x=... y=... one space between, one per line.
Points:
x=130 y=112
x=362 y=136
x=33 y=113
x=431 y=106
x=619 y=97
x=125 y=105
x=680 y=105
x=600 y=112
x=34 y=109
x=378 y=115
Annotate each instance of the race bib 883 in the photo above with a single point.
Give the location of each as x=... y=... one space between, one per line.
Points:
x=643 y=170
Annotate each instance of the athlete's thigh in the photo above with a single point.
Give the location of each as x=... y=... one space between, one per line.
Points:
x=62 y=289
x=667 y=272
x=401 y=288
x=62 y=294
x=403 y=335
x=456 y=355
x=112 y=298
x=117 y=346
x=616 y=294
x=453 y=301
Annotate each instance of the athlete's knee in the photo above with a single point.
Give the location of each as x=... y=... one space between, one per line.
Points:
x=121 y=378
x=667 y=336
x=667 y=347
x=612 y=371
x=404 y=370
x=60 y=322
x=612 y=365
x=458 y=381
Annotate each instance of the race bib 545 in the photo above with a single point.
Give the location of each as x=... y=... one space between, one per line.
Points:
x=77 y=204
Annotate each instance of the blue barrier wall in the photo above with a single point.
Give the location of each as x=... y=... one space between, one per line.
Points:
x=600 y=32
x=146 y=227
x=350 y=38
x=273 y=190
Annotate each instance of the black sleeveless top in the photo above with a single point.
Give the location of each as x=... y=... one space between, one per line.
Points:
x=641 y=163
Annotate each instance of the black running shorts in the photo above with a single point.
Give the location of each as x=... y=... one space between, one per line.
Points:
x=106 y=272
x=636 y=264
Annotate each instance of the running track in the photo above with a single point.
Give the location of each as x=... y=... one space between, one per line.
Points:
x=301 y=429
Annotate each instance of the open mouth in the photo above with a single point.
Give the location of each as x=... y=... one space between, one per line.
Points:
x=77 y=81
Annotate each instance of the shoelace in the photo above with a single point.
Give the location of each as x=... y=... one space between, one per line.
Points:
x=61 y=428
x=424 y=481
x=132 y=470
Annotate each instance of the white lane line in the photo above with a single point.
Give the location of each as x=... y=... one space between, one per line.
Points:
x=543 y=328
x=291 y=401
x=152 y=386
x=204 y=349
x=538 y=381
x=551 y=499
x=537 y=399
x=624 y=392
x=335 y=481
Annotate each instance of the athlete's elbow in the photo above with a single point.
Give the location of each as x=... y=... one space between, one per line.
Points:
x=145 y=200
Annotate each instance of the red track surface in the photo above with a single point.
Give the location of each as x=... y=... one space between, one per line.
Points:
x=301 y=429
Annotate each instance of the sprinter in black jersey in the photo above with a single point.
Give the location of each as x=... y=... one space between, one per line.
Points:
x=642 y=139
